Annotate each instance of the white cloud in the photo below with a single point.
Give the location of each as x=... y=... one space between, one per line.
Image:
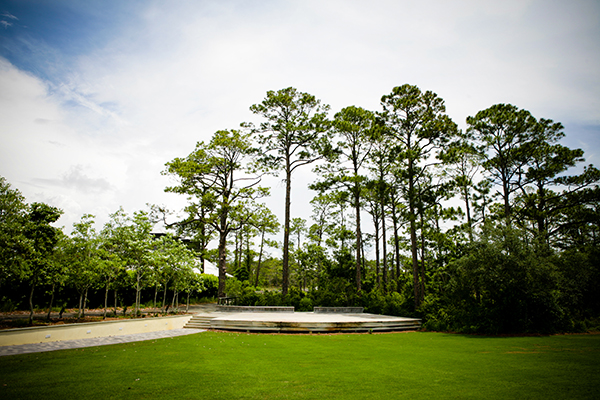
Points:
x=181 y=71
x=6 y=14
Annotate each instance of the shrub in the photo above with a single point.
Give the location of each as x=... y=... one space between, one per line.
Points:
x=305 y=305
x=375 y=302
x=248 y=295
x=210 y=284
x=269 y=299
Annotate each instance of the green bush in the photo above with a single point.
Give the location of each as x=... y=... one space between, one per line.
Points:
x=375 y=302
x=233 y=287
x=211 y=285
x=269 y=299
x=248 y=295
x=7 y=305
x=294 y=296
x=305 y=304
x=395 y=304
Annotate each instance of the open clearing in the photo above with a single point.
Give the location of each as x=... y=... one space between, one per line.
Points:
x=226 y=365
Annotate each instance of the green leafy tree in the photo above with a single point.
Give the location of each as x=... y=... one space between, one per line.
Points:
x=545 y=190
x=133 y=242
x=14 y=246
x=84 y=259
x=355 y=128
x=213 y=174
x=502 y=286
x=381 y=161
x=266 y=223
x=419 y=127
x=504 y=134
x=58 y=272
x=43 y=238
x=294 y=134
x=464 y=166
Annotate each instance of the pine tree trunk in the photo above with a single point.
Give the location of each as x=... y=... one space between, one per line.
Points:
x=262 y=242
x=396 y=247
x=384 y=244
x=358 y=240
x=222 y=259
x=286 y=232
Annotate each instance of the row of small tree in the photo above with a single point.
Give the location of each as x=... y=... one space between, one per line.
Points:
x=124 y=254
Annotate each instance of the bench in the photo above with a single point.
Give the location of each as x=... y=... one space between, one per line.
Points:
x=339 y=310
x=226 y=300
x=224 y=308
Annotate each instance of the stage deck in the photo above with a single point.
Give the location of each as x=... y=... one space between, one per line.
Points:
x=301 y=322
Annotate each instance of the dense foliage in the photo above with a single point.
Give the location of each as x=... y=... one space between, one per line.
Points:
x=490 y=230
x=125 y=258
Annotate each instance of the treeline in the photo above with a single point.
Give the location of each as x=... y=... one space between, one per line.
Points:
x=483 y=230
x=41 y=266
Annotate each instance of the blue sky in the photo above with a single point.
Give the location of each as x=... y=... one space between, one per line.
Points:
x=95 y=96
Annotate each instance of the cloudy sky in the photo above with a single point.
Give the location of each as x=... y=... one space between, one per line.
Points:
x=96 y=96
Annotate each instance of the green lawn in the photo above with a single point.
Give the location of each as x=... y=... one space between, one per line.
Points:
x=215 y=365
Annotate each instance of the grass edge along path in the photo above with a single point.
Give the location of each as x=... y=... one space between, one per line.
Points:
x=227 y=365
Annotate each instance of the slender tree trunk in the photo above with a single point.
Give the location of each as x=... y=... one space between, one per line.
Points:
x=155 y=295
x=202 y=241
x=33 y=284
x=506 y=195
x=286 y=231
x=80 y=302
x=240 y=248
x=423 y=252
x=222 y=262
x=363 y=258
x=137 y=294
x=116 y=297
x=262 y=242
x=164 y=297
x=396 y=244
x=384 y=247
x=84 y=302
x=106 y=299
x=468 y=210
x=51 y=301
x=415 y=262
x=248 y=259
x=412 y=198
x=377 y=260
x=358 y=242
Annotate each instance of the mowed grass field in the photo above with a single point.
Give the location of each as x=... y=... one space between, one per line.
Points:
x=218 y=365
